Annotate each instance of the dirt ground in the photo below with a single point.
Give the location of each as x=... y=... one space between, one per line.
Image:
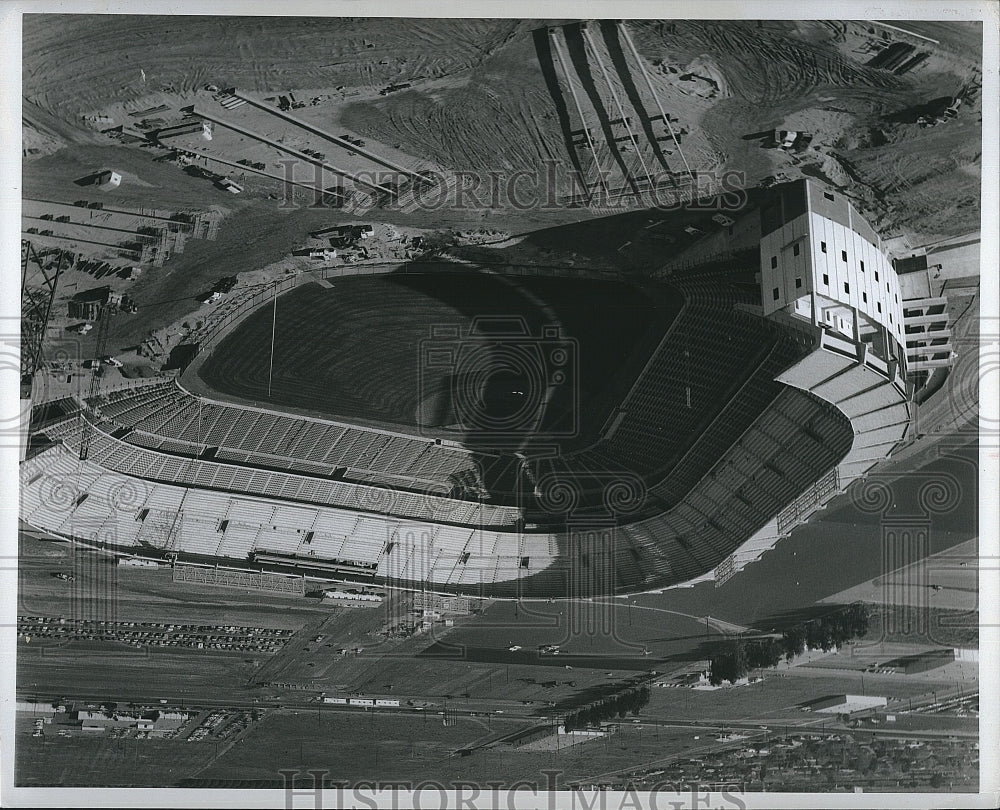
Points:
x=484 y=96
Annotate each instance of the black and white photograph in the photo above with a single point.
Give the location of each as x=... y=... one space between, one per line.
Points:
x=551 y=405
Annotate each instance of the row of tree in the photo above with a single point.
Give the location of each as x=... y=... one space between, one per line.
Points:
x=609 y=708
x=823 y=633
x=827 y=632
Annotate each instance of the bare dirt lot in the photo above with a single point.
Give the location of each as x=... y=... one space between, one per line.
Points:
x=487 y=97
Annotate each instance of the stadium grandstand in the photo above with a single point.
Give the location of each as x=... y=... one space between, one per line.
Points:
x=779 y=381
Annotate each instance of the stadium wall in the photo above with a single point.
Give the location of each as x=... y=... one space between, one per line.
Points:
x=194 y=516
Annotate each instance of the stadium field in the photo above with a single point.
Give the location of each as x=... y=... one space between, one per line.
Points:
x=396 y=350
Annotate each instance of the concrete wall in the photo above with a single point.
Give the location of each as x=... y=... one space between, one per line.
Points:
x=830 y=250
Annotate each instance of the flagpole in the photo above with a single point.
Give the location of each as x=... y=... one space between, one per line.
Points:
x=274 y=318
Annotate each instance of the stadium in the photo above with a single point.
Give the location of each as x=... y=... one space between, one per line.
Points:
x=536 y=432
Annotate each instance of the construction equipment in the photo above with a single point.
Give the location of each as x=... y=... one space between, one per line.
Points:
x=36 y=307
x=108 y=312
x=589 y=40
x=623 y=29
x=36 y=303
x=564 y=64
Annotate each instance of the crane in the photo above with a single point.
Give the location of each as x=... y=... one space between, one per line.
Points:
x=38 y=293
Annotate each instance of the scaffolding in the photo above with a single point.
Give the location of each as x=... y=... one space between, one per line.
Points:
x=235 y=578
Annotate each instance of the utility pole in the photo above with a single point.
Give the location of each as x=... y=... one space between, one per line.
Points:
x=274 y=318
x=108 y=312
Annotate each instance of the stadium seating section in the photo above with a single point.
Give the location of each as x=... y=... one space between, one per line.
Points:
x=719 y=445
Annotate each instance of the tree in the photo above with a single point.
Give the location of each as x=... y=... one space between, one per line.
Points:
x=740 y=665
x=794 y=641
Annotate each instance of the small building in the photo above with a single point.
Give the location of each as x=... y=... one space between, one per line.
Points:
x=186 y=128
x=848 y=704
x=921 y=662
x=226 y=283
x=136 y=562
x=343 y=234
x=353 y=599
x=86 y=310
x=93 y=725
x=34 y=708
x=108 y=179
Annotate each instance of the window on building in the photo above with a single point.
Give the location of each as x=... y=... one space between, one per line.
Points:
x=826 y=280
x=878 y=306
x=896 y=296
x=843 y=255
x=847 y=287
x=795 y=249
x=862 y=265
x=828 y=195
x=822 y=246
x=798 y=283
x=774 y=262
x=876 y=275
x=890 y=317
x=887 y=286
x=776 y=293
x=864 y=297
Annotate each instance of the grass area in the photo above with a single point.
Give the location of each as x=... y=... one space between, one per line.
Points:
x=133 y=674
x=102 y=761
x=354 y=351
x=350 y=746
x=102 y=590
x=926 y=625
x=784 y=587
x=354 y=749
x=779 y=697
